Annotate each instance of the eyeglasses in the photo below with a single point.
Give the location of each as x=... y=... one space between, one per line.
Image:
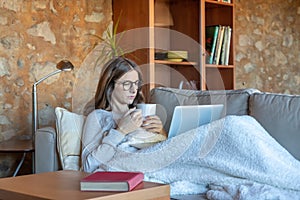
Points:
x=128 y=84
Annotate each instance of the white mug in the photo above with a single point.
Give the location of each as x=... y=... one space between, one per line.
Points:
x=147 y=109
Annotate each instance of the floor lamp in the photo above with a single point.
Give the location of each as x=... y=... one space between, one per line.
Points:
x=63 y=65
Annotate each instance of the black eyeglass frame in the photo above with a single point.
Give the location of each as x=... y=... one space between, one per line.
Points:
x=127 y=85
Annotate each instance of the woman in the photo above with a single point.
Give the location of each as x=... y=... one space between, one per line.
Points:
x=118 y=93
x=232 y=152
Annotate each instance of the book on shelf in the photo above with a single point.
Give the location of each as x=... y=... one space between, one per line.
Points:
x=177 y=56
x=111 y=181
x=225 y=46
x=211 y=35
x=219 y=45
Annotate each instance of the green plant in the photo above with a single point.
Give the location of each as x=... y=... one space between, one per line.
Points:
x=109 y=45
x=111 y=42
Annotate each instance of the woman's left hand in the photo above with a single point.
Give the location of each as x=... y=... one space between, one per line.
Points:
x=153 y=124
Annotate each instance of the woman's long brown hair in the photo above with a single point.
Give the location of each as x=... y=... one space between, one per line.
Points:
x=112 y=71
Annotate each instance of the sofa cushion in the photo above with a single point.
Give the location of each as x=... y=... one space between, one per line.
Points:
x=235 y=101
x=69 y=130
x=279 y=114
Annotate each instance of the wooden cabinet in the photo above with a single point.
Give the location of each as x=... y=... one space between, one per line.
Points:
x=138 y=18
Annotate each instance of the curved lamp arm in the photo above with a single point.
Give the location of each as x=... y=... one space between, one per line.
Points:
x=63 y=65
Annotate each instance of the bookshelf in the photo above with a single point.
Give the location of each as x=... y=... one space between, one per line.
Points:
x=218 y=76
x=186 y=33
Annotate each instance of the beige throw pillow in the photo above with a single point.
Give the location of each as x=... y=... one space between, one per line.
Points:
x=69 y=130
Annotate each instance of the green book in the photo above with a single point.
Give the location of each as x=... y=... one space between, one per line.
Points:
x=211 y=35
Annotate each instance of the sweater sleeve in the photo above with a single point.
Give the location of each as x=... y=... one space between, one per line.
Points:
x=99 y=140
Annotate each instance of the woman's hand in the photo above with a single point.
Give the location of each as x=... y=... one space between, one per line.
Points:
x=153 y=124
x=131 y=120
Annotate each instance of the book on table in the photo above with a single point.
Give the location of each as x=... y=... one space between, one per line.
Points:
x=111 y=181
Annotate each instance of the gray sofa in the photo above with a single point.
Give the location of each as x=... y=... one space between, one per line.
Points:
x=279 y=114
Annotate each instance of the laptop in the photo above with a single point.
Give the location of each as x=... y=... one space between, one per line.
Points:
x=190 y=117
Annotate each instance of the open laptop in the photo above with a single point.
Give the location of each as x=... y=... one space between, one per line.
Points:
x=191 y=116
x=188 y=117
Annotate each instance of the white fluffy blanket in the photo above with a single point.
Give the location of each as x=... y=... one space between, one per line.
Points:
x=250 y=191
x=234 y=156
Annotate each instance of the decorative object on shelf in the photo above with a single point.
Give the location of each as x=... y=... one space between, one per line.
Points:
x=63 y=65
x=162 y=15
x=161 y=55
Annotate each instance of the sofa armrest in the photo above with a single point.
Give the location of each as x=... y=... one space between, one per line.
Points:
x=46 y=158
x=279 y=114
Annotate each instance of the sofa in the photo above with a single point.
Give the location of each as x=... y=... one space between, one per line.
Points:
x=279 y=114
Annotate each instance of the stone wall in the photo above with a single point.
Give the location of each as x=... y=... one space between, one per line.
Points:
x=34 y=36
x=267 y=45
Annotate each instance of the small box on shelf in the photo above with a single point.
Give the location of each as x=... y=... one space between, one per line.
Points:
x=172 y=56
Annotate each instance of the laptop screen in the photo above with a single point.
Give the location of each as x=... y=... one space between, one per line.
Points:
x=190 y=117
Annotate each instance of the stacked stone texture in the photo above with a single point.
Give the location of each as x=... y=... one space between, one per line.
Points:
x=34 y=36
x=267 y=45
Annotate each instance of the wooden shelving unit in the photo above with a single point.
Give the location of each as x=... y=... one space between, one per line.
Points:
x=218 y=13
x=187 y=33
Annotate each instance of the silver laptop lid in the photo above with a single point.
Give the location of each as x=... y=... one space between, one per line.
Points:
x=190 y=117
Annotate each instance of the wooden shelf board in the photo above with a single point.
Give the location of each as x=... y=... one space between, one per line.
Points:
x=220 y=66
x=219 y=3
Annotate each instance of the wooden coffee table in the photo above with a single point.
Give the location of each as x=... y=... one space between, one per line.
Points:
x=65 y=185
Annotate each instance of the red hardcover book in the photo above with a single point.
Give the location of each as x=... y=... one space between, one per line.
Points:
x=111 y=181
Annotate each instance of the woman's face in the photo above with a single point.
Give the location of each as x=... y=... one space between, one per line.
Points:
x=125 y=89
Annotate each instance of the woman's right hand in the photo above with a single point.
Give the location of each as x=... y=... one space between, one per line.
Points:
x=131 y=120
